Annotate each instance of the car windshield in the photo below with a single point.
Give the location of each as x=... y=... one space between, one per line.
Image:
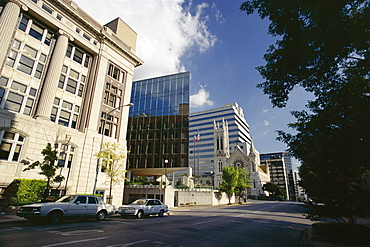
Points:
x=66 y=199
x=139 y=202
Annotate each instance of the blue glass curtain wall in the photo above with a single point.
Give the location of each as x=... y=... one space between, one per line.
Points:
x=160 y=96
x=158 y=127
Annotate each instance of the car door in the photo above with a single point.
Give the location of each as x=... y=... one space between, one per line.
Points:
x=148 y=207
x=92 y=205
x=78 y=206
x=157 y=206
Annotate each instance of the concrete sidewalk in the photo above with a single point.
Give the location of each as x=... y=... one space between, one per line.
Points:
x=9 y=215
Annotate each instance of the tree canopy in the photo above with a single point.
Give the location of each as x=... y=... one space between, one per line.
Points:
x=275 y=191
x=229 y=181
x=48 y=167
x=242 y=182
x=234 y=180
x=323 y=47
x=113 y=163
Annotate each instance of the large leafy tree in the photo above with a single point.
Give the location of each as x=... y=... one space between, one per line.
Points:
x=275 y=191
x=323 y=46
x=229 y=181
x=242 y=182
x=48 y=168
x=113 y=163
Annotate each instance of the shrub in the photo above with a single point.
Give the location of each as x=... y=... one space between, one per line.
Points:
x=28 y=191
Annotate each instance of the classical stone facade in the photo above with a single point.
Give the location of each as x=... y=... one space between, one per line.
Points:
x=65 y=80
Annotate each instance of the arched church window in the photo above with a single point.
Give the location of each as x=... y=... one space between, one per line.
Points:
x=220 y=166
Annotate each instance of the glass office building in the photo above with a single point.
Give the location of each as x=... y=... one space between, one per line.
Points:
x=281 y=172
x=158 y=127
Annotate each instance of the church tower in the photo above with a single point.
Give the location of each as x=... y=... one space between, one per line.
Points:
x=221 y=149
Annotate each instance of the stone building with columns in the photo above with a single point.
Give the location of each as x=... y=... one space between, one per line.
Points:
x=65 y=80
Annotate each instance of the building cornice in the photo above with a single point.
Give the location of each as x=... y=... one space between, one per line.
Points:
x=100 y=31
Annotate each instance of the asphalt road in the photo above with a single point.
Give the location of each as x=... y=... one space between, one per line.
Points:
x=257 y=223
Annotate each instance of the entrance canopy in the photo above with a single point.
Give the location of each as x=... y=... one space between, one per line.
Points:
x=148 y=172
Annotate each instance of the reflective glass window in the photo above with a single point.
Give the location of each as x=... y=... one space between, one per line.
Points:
x=23 y=24
x=71 y=86
x=29 y=51
x=11 y=58
x=78 y=56
x=19 y=86
x=14 y=102
x=36 y=31
x=25 y=64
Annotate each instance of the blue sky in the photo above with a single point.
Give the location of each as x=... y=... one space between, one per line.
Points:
x=220 y=46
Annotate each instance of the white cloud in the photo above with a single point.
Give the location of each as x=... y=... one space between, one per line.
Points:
x=266 y=123
x=218 y=14
x=200 y=99
x=265 y=111
x=166 y=30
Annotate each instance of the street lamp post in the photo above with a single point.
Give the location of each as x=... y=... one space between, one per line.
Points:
x=213 y=179
x=102 y=139
x=162 y=197
x=165 y=172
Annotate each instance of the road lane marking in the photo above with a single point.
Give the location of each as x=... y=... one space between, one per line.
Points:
x=75 y=242
x=76 y=232
x=128 y=244
x=204 y=222
x=11 y=229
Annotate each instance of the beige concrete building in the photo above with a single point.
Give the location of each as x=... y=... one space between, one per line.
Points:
x=65 y=80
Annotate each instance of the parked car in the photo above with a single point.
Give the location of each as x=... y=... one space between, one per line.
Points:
x=111 y=209
x=142 y=207
x=66 y=206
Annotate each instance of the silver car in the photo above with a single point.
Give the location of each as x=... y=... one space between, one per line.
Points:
x=142 y=207
x=66 y=206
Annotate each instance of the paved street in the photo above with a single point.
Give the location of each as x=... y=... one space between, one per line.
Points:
x=258 y=223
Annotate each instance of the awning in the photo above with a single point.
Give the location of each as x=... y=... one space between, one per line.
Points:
x=148 y=172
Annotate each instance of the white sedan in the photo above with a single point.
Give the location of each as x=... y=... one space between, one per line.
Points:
x=66 y=206
x=142 y=207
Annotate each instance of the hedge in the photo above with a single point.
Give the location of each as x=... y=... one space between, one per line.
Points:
x=28 y=191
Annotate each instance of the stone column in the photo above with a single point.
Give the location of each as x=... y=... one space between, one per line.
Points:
x=47 y=95
x=8 y=23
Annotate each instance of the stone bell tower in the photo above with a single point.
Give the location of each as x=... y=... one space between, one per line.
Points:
x=221 y=149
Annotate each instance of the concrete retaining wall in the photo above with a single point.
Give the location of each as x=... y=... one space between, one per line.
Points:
x=200 y=197
x=177 y=197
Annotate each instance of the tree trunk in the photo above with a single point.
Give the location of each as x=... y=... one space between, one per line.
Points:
x=46 y=191
x=110 y=191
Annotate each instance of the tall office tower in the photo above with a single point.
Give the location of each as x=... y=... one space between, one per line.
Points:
x=202 y=141
x=281 y=172
x=158 y=128
x=65 y=80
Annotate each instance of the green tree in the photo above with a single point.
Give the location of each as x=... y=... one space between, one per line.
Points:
x=113 y=163
x=229 y=181
x=242 y=182
x=274 y=190
x=48 y=168
x=323 y=47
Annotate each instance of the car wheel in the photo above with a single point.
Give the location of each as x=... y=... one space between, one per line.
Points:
x=54 y=217
x=101 y=215
x=161 y=213
x=139 y=214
